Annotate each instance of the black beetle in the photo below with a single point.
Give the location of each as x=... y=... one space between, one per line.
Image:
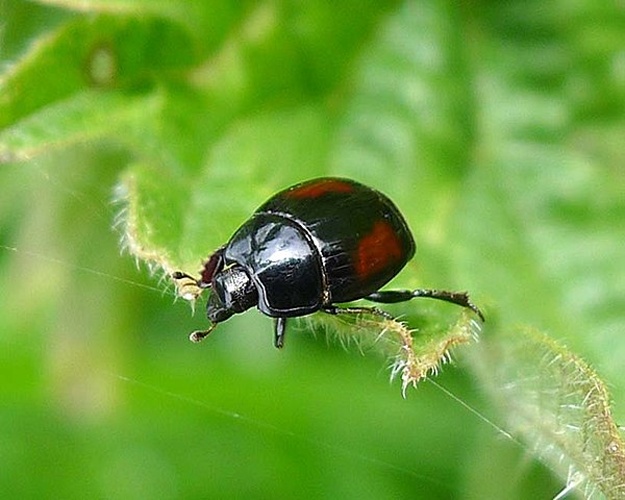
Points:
x=309 y=247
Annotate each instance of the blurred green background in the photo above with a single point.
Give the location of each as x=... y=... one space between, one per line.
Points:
x=496 y=127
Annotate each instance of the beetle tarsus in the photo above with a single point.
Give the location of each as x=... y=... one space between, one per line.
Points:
x=279 y=332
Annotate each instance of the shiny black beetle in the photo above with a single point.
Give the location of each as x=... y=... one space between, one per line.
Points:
x=309 y=247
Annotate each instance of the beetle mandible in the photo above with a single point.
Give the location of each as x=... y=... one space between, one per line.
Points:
x=309 y=247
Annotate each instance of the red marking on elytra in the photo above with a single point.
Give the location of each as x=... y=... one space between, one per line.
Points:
x=377 y=249
x=316 y=189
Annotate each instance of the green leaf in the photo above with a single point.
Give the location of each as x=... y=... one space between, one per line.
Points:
x=407 y=122
x=85 y=117
x=560 y=407
x=175 y=219
x=496 y=127
x=105 y=53
x=500 y=218
x=542 y=216
x=414 y=354
x=195 y=15
x=162 y=226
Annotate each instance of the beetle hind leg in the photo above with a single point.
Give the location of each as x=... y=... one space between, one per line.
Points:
x=332 y=309
x=459 y=298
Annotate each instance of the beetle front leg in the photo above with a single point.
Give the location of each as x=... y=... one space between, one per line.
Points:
x=279 y=330
x=458 y=298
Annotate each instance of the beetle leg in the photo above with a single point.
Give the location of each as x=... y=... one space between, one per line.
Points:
x=332 y=309
x=278 y=332
x=392 y=296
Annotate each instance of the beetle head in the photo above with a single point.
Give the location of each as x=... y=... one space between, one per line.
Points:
x=232 y=292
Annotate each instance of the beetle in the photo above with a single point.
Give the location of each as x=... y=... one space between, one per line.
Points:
x=309 y=247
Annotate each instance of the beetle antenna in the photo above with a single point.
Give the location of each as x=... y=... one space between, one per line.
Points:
x=199 y=335
x=178 y=275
